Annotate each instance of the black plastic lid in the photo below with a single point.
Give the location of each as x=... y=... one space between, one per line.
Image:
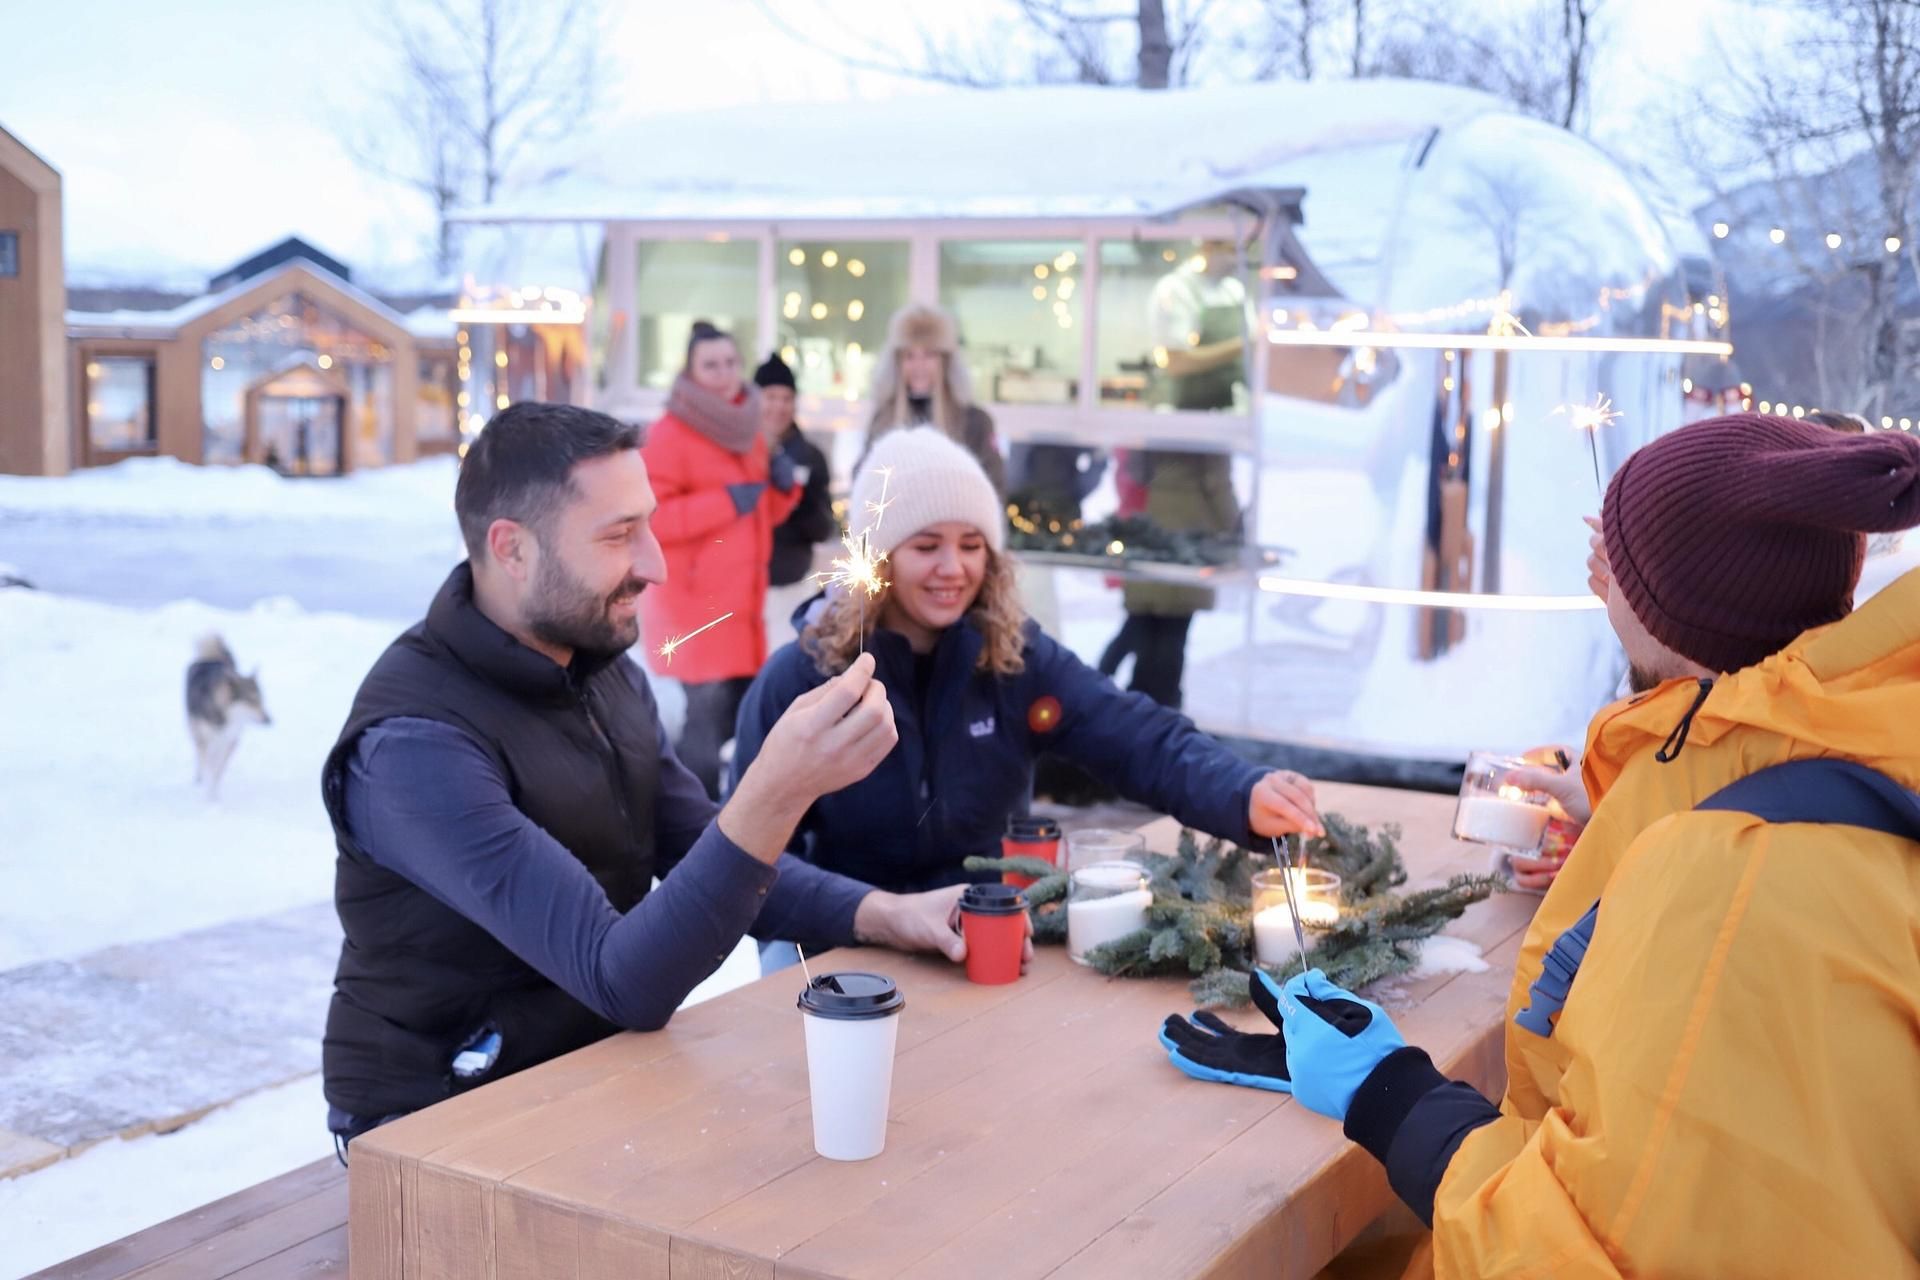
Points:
x=851 y=997
x=1025 y=827
x=993 y=900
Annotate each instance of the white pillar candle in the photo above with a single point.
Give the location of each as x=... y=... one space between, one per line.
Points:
x=1093 y=921
x=1273 y=942
x=1508 y=823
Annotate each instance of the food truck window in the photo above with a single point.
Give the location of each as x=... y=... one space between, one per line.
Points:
x=1017 y=303
x=1173 y=326
x=679 y=281
x=835 y=298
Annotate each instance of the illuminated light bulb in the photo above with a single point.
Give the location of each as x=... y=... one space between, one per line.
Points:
x=793 y=298
x=798 y=257
x=1906 y=424
x=93 y=369
x=853 y=350
x=1168 y=255
x=1766 y=406
x=1833 y=239
x=500 y=402
x=1039 y=293
x=1893 y=244
x=1720 y=230
x=1886 y=423
x=463 y=400
x=789 y=355
x=1067 y=259
x=1713 y=299
x=830 y=259
x=818 y=311
x=1116 y=547
x=217 y=363
x=500 y=359
x=325 y=362
x=1065 y=289
x=856 y=268
x=856 y=309
x=1159 y=357
x=791 y=311
x=1777 y=235
x=1686 y=385
x=1040 y=271
x=1799 y=412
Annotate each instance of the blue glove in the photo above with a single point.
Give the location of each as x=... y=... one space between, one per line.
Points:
x=1206 y=1048
x=745 y=495
x=780 y=471
x=1334 y=1041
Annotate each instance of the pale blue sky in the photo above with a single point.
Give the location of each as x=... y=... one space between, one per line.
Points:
x=192 y=133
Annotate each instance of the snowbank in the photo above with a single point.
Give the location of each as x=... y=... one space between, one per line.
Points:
x=166 y=488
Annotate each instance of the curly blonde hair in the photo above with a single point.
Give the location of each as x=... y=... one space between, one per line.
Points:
x=833 y=638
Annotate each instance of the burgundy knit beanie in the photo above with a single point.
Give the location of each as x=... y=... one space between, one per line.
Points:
x=1732 y=536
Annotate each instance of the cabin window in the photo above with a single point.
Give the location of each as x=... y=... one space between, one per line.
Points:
x=677 y=282
x=834 y=298
x=1018 y=305
x=1174 y=322
x=120 y=404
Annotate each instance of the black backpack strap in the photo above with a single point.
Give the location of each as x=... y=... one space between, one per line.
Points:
x=1825 y=790
x=1839 y=792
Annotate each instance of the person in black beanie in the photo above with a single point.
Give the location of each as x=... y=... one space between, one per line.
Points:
x=812 y=521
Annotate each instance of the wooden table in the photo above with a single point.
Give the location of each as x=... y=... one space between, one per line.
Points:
x=1036 y=1130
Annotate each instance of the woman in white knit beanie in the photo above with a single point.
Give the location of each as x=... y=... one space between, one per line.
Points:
x=978 y=691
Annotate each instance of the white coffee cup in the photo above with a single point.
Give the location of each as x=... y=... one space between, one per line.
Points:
x=852 y=1027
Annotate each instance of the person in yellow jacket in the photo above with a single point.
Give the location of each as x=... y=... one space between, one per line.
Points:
x=1713 y=1035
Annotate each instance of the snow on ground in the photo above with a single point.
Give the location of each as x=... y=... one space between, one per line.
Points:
x=168 y=489
x=108 y=841
x=87 y=1201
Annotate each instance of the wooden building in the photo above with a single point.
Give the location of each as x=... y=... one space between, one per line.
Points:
x=34 y=437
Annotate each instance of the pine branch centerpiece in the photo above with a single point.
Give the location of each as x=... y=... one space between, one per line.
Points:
x=1200 y=922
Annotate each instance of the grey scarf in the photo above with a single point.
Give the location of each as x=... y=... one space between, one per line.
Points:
x=732 y=426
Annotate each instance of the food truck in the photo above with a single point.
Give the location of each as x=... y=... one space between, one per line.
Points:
x=1448 y=323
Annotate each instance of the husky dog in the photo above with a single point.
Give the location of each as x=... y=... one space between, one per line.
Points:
x=220 y=701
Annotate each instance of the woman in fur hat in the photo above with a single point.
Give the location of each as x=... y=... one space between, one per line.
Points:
x=921 y=379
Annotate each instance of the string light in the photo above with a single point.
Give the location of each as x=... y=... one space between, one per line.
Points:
x=1720 y=230
x=1893 y=244
x=1777 y=235
x=1833 y=239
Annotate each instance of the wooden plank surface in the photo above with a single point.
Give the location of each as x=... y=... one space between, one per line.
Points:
x=299 y=1218
x=1035 y=1130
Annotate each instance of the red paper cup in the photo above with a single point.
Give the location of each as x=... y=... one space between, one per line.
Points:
x=993 y=919
x=1029 y=838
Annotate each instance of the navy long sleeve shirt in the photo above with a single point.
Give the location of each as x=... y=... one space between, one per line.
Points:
x=426 y=802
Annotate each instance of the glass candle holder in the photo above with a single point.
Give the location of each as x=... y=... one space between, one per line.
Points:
x=1494 y=811
x=1102 y=844
x=1105 y=900
x=1315 y=891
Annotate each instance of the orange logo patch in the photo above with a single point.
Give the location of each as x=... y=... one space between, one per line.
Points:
x=1044 y=715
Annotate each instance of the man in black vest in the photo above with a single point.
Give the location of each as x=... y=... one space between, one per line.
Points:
x=503 y=795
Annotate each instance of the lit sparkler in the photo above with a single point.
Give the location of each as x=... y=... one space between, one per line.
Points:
x=673 y=643
x=1588 y=419
x=858 y=571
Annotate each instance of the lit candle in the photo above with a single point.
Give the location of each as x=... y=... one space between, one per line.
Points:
x=1505 y=819
x=1273 y=940
x=1120 y=908
x=1315 y=889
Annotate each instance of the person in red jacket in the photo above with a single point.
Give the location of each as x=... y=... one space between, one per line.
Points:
x=720 y=497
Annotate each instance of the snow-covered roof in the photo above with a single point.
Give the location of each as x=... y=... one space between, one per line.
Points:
x=1056 y=152
x=164 y=324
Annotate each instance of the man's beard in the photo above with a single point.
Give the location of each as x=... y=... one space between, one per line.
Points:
x=568 y=614
x=1641 y=680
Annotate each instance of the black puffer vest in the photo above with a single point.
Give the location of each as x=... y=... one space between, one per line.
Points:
x=579 y=748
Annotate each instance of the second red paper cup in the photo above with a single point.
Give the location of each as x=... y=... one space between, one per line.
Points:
x=993 y=919
x=1029 y=837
